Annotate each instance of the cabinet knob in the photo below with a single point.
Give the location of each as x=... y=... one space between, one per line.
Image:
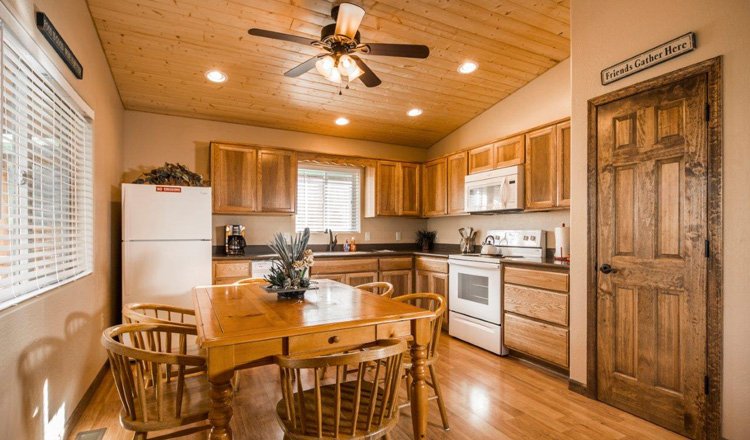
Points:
x=333 y=340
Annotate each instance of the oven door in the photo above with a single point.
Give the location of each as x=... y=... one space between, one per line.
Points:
x=474 y=289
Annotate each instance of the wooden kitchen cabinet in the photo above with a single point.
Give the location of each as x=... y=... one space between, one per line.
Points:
x=481 y=158
x=541 y=168
x=456 y=169
x=431 y=276
x=340 y=277
x=563 y=164
x=401 y=280
x=247 y=179
x=387 y=188
x=393 y=189
x=509 y=152
x=234 y=170
x=410 y=189
x=434 y=188
x=357 y=278
x=229 y=271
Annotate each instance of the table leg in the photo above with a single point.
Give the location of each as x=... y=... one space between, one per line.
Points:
x=220 y=373
x=420 y=331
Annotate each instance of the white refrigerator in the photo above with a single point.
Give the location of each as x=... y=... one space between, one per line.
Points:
x=166 y=243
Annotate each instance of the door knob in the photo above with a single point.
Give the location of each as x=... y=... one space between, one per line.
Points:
x=607 y=269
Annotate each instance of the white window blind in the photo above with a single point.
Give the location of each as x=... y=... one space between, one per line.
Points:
x=328 y=198
x=46 y=202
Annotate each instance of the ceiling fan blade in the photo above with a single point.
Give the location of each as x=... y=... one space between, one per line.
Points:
x=279 y=36
x=368 y=78
x=348 y=19
x=398 y=50
x=302 y=68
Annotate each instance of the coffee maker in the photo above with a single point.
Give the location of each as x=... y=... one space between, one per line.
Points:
x=234 y=240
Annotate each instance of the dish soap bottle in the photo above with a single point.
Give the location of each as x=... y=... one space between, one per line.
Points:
x=346 y=246
x=353 y=246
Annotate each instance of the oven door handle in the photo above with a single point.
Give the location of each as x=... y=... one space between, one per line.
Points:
x=471 y=265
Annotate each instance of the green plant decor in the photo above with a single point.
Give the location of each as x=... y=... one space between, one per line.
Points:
x=425 y=239
x=171 y=174
x=289 y=272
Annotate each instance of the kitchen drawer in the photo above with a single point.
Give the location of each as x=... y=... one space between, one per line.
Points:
x=544 y=279
x=231 y=269
x=394 y=330
x=536 y=303
x=325 y=341
x=431 y=264
x=396 y=263
x=325 y=265
x=544 y=341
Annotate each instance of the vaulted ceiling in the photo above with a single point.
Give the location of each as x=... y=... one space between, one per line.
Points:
x=159 y=50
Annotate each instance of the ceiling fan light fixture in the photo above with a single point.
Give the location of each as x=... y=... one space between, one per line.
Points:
x=326 y=66
x=342 y=121
x=414 y=112
x=468 y=67
x=216 y=76
x=349 y=68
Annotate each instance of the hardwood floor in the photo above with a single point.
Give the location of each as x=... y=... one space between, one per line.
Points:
x=488 y=397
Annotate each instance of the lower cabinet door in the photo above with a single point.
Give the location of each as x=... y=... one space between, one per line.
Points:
x=340 y=277
x=355 y=279
x=401 y=280
x=541 y=340
x=439 y=285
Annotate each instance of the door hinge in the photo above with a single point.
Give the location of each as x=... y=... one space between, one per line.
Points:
x=706 y=384
x=708 y=249
x=708 y=112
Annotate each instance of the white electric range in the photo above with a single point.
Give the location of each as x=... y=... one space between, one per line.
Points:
x=475 y=287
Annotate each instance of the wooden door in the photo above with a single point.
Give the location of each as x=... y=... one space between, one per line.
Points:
x=387 y=185
x=401 y=280
x=541 y=181
x=652 y=226
x=232 y=167
x=434 y=191
x=456 y=170
x=409 y=194
x=277 y=181
x=481 y=159
x=563 y=164
x=509 y=152
x=355 y=279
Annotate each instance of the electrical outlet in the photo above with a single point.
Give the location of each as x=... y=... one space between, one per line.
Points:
x=398 y=236
x=367 y=236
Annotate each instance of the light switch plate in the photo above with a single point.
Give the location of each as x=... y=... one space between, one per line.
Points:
x=398 y=236
x=367 y=236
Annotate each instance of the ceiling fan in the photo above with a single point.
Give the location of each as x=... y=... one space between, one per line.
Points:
x=340 y=42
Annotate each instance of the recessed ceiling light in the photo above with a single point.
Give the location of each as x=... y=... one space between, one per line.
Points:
x=414 y=112
x=467 y=67
x=342 y=121
x=216 y=76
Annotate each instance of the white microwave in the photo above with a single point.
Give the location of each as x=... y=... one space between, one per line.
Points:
x=495 y=191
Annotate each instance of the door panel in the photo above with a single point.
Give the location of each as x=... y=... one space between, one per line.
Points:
x=434 y=191
x=387 y=191
x=456 y=176
x=541 y=178
x=277 y=180
x=232 y=167
x=410 y=201
x=652 y=189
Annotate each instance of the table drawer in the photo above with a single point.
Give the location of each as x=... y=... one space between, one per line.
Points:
x=544 y=279
x=536 y=303
x=394 y=330
x=325 y=341
x=231 y=269
x=323 y=266
x=397 y=263
x=544 y=341
x=432 y=264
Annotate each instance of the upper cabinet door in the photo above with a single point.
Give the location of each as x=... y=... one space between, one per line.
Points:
x=434 y=191
x=410 y=180
x=457 y=169
x=509 y=152
x=563 y=164
x=541 y=177
x=277 y=181
x=481 y=159
x=387 y=188
x=233 y=168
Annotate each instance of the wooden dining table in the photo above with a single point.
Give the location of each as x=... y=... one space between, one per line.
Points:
x=245 y=326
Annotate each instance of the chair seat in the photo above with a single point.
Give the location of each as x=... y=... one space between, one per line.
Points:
x=195 y=404
x=328 y=395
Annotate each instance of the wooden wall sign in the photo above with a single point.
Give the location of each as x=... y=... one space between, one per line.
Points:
x=650 y=58
x=54 y=38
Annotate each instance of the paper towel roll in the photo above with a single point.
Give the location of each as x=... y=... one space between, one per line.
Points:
x=562 y=242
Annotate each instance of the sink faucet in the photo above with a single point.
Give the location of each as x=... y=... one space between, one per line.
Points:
x=332 y=240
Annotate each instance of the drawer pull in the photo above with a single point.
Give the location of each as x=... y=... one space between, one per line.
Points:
x=333 y=340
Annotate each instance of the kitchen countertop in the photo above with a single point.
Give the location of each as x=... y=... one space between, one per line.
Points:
x=547 y=262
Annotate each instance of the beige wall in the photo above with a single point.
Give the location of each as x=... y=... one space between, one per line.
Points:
x=543 y=100
x=54 y=338
x=605 y=33
x=150 y=140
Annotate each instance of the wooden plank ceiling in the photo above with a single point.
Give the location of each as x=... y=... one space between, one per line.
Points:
x=158 y=51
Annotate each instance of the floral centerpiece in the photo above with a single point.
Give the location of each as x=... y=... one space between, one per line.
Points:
x=289 y=275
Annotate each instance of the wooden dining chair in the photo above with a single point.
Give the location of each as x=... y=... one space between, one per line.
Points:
x=436 y=304
x=244 y=281
x=381 y=288
x=362 y=408
x=155 y=378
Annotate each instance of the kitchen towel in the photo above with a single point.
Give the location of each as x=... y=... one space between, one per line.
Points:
x=562 y=242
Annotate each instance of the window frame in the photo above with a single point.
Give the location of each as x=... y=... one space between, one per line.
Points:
x=332 y=168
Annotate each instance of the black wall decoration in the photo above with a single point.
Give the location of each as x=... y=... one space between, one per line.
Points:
x=54 y=38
